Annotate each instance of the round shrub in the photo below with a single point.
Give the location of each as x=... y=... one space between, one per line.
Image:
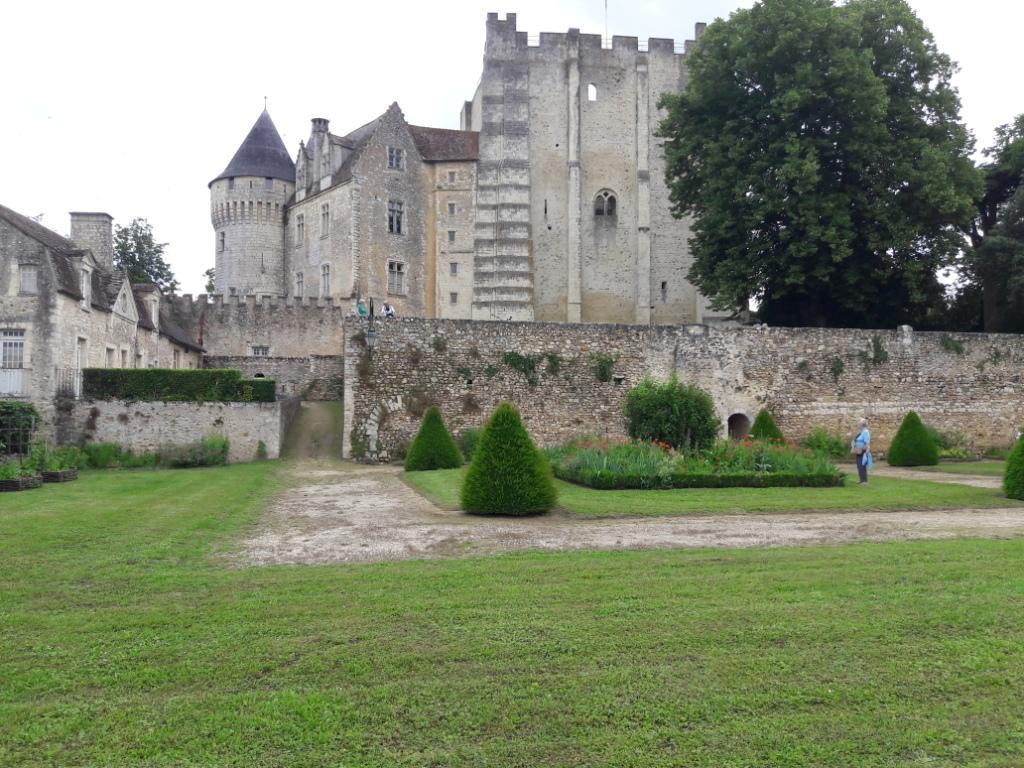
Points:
x=913 y=446
x=508 y=475
x=433 y=447
x=682 y=416
x=1013 y=478
x=765 y=428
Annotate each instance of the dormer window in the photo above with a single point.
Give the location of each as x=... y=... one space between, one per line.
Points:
x=396 y=159
x=231 y=183
x=85 y=288
x=28 y=279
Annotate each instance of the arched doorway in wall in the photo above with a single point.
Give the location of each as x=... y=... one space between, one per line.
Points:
x=739 y=426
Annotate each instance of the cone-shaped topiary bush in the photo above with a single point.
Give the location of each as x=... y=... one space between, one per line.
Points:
x=433 y=447
x=913 y=446
x=508 y=475
x=1013 y=478
x=765 y=428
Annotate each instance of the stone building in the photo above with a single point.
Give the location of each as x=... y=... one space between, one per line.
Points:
x=548 y=204
x=63 y=307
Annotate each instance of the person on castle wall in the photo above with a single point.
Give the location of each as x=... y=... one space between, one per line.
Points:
x=387 y=311
x=361 y=308
x=861 y=447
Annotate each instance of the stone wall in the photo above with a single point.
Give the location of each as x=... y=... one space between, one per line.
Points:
x=966 y=383
x=231 y=326
x=317 y=377
x=152 y=425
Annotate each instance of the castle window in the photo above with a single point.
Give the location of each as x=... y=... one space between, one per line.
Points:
x=454 y=267
x=299 y=284
x=396 y=159
x=28 y=278
x=664 y=291
x=451 y=209
x=231 y=183
x=325 y=220
x=12 y=356
x=451 y=235
x=451 y=177
x=591 y=92
x=124 y=358
x=109 y=363
x=300 y=230
x=221 y=239
x=395 y=217
x=396 y=278
x=604 y=203
x=260 y=351
x=176 y=359
x=453 y=298
x=325 y=279
x=268 y=184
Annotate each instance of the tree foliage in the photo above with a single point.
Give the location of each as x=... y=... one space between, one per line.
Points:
x=820 y=150
x=681 y=416
x=508 y=475
x=433 y=447
x=913 y=446
x=138 y=253
x=210 y=276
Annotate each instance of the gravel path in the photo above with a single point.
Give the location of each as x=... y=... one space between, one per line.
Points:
x=978 y=481
x=340 y=513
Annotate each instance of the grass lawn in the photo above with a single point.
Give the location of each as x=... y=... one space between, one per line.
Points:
x=993 y=468
x=442 y=486
x=127 y=642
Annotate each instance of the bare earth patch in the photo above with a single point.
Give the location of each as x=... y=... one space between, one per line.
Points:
x=343 y=513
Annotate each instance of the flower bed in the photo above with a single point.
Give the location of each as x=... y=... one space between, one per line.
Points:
x=59 y=475
x=22 y=483
x=608 y=465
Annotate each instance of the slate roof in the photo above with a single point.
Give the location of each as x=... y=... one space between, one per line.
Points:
x=261 y=154
x=175 y=332
x=442 y=144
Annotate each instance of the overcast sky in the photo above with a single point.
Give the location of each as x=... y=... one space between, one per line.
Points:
x=132 y=107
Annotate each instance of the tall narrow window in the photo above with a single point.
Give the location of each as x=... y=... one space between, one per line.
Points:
x=110 y=357
x=604 y=203
x=396 y=159
x=268 y=184
x=28 y=278
x=12 y=360
x=176 y=359
x=451 y=235
x=299 y=284
x=454 y=267
x=451 y=177
x=221 y=240
x=85 y=288
x=300 y=230
x=591 y=92
x=664 y=291
x=453 y=298
x=325 y=220
x=451 y=209
x=396 y=277
x=395 y=217
x=231 y=183
x=325 y=279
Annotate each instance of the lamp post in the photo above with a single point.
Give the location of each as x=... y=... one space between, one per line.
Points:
x=371 y=331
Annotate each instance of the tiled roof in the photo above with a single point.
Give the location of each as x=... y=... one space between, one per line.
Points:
x=261 y=154
x=442 y=144
x=59 y=246
x=175 y=332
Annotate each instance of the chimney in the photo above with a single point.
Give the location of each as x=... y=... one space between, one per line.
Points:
x=93 y=231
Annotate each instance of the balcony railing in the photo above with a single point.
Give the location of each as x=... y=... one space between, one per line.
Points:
x=12 y=381
x=69 y=383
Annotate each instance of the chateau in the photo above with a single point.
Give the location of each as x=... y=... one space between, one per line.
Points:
x=548 y=204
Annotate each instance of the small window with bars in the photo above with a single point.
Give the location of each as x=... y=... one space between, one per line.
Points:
x=260 y=351
x=396 y=277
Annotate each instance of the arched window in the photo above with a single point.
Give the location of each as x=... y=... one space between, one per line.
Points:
x=591 y=92
x=604 y=203
x=739 y=426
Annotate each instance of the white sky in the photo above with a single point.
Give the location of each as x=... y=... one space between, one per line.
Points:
x=132 y=107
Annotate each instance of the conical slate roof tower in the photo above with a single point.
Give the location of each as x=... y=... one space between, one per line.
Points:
x=247 y=207
x=261 y=154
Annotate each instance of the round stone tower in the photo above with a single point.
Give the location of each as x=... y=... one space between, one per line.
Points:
x=247 y=205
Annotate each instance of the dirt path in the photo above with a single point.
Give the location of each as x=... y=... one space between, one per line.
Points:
x=342 y=513
x=978 y=481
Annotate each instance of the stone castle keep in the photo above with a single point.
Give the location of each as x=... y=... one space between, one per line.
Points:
x=549 y=204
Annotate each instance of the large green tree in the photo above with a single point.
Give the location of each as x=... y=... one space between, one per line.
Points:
x=138 y=253
x=994 y=265
x=820 y=151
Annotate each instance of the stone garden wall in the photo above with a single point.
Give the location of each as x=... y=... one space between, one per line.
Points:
x=966 y=383
x=317 y=377
x=147 y=426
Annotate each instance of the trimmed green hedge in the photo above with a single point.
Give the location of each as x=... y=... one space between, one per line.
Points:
x=218 y=385
x=912 y=446
x=765 y=428
x=1013 y=478
x=606 y=480
x=433 y=447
